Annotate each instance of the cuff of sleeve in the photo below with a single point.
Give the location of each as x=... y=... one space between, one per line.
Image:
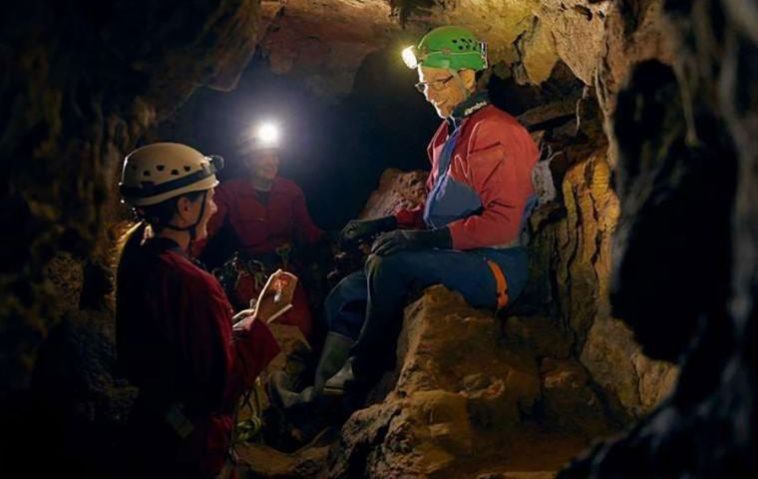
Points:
x=405 y=218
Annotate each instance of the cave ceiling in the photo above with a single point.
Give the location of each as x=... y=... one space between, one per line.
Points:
x=325 y=41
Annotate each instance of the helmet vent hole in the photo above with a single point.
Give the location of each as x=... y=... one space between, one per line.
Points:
x=460 y=47
x=455 y=41
x=160 y=167
x=175 y=172
x=186 y=168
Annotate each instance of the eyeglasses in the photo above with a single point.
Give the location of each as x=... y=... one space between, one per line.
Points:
x=436 y=85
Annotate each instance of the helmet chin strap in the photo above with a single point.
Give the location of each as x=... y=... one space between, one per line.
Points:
x=192 y=229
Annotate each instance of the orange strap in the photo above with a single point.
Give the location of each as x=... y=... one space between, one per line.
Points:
x=500 y=283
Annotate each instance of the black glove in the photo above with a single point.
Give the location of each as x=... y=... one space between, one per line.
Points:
x=358 y=229
x=399 y=240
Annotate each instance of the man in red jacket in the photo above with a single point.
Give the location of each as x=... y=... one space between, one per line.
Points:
x=466 y=236
x=267 y=216
x=174 y=334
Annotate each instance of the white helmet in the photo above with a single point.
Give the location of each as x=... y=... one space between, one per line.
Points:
x=154 y=173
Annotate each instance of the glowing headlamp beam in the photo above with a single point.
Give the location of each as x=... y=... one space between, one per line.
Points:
x=268 y=134
x=409 y=57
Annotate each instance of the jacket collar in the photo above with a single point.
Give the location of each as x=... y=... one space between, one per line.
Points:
x=468 y=107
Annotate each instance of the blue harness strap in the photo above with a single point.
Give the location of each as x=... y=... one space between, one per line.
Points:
x=449 y=200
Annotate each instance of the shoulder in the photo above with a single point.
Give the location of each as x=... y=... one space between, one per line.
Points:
x=287 y=186
x=493 y=125
x=189 y=275
x=495 y=132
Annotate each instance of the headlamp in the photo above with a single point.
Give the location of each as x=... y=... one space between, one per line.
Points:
x=268 y=135
x=410 y=57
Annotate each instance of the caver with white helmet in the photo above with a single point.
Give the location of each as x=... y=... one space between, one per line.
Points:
x=154 y=174
x=174 y=336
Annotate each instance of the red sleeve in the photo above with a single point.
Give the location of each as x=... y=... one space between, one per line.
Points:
x=305 y=228
x=411 y=218
x=499 y=162
x=222 y=198
x=223 y=363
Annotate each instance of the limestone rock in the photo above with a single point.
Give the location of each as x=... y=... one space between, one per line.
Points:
x=83 y=403
x=579 y=277
x=325 y=42
x=578 y=30
x=264 y=461
x=83 y=93
x=701 y=429
x=541 y=334
x=396 y=190
x=461 y=402
x=571 y=402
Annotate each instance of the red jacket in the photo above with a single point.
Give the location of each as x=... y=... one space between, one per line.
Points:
x=176 y=344
x=261 y=228
x=493 y=157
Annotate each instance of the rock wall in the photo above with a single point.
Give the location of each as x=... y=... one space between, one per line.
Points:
x=80 y=82
x=572 y=247
x=683 y=131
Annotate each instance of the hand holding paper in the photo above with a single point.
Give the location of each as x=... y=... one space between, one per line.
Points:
x=276 y=296
x=274 y=300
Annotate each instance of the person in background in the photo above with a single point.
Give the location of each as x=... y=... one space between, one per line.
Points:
x=268 y=218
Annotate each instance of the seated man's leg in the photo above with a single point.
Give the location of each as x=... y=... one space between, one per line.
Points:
x=345 y=306
x=390 y=278
x=344 y=310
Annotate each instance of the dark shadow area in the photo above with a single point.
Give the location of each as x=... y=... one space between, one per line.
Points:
x=336 y=151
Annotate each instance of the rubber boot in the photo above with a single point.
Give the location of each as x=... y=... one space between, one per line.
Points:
x=282 y=388
x=342 y=380
x=336 y=351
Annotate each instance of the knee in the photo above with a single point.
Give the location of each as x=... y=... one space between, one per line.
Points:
x=352 y=288
x=385 y=265
x=334 y=299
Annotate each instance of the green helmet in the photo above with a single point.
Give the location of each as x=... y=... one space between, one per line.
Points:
x=450 y=47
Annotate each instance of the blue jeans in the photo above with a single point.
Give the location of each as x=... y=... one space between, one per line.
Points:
x=367 y=305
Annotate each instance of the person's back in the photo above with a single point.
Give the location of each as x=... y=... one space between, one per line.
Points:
x=169 y=302
x=172 y=324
